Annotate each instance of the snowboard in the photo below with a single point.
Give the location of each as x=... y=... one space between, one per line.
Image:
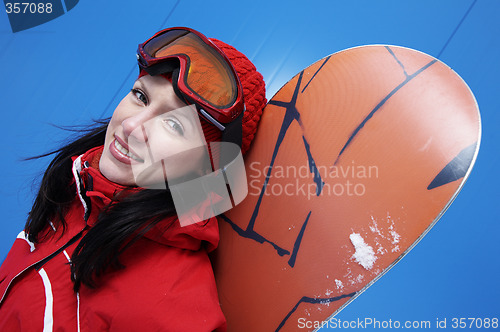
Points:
x=355 y=159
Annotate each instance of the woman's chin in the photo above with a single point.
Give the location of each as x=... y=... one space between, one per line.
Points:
x=114 y=173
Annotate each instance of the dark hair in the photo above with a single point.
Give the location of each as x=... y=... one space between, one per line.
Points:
x=121 y=223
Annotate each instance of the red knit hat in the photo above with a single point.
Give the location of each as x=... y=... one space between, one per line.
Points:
x=254 y=94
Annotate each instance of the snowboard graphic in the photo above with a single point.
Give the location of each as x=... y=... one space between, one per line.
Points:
x=355 y=160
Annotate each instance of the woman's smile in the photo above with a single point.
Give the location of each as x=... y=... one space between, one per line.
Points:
x=121 y=151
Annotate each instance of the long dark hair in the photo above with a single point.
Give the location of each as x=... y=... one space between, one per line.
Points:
x=119 y=224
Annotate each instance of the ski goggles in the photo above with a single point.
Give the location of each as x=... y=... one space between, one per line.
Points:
x=201 y=73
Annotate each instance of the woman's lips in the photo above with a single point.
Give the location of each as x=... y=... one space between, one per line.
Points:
x=121 y=151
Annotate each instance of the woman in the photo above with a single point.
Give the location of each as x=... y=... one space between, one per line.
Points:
x=103 y=248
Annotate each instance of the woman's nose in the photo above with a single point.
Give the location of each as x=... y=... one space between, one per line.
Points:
x=134 y=127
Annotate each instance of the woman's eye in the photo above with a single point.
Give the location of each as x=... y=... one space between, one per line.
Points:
x=140 y=96
x=175 y=126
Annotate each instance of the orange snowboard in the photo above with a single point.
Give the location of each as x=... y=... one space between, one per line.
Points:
x=355 y=160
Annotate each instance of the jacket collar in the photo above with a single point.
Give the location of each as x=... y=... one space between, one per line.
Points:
x=95 y=192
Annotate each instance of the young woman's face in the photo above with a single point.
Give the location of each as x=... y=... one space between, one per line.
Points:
x=152 y=135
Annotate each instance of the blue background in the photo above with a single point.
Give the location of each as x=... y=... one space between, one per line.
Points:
x=78 y=67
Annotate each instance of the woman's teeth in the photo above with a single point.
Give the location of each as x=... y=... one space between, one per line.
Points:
x=126 y=152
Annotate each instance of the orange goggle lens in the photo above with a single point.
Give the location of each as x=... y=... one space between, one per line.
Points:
x=207 y=74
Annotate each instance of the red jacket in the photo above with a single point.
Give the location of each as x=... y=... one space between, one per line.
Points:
x=167 y=283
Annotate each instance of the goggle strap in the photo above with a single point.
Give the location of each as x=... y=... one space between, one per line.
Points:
x=234 y=132
x=210 y=119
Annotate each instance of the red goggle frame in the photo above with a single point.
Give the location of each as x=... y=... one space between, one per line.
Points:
x=201 y=73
